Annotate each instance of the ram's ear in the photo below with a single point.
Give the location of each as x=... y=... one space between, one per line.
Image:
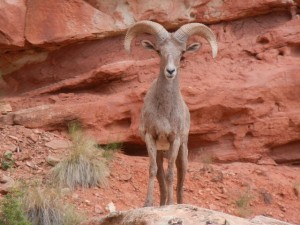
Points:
x=148 y=45
x=193 y=47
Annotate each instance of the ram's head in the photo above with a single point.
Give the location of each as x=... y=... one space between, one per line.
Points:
x=171 y=46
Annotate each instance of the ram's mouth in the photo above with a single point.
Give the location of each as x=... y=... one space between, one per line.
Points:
x=170 y=77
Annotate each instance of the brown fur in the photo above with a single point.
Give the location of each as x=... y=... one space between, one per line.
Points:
x=165 y=116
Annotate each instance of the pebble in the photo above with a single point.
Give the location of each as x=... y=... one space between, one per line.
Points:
x=32 y=165
x=87 y=202
x=13 y=137
x=125 y=177
x=5 y=179
x=5 y=108
x=7 y=184
x=52 y=161
x=33 y=137
x=98 y=209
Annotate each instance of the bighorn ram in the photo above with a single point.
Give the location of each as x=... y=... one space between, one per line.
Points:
x=165 y=118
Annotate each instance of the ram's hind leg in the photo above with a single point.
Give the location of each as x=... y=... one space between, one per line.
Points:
x=181 y=164
x=152 y=152
x=161 y=177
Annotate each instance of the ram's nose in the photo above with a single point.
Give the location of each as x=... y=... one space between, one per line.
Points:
x=170 y=71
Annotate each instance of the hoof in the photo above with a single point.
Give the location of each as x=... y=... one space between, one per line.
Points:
x=147 y=204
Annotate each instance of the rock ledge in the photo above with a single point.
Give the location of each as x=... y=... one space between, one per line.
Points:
x=178 y=215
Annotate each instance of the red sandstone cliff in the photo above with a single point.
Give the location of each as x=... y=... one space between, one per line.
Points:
x=64 y=60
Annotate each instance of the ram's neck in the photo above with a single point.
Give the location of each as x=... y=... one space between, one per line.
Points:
x=167 y=91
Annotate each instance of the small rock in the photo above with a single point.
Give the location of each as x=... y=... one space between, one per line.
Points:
x=217 y=221
x=175 y=221
x=125 y=177
x=58 y=144
x=10 y=147
x=260 y=172
x=7 y=186
x=281 y=207
x=87 y=202
x=51 y=160
x=267 y=161
x=217 y=197
x=32 y=165
x=111 y=207
x=98 y=209
x=33 y=137
x=5 y=179
x=13 y=137
x=296 y=189
x=96 y=194
x=223 y=190
x=5 y=108
x=36 y=131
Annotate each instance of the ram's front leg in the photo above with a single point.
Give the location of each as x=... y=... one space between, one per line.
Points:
x=174 y=148
x=152 y=152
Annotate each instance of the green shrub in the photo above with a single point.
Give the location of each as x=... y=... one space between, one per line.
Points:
x=110 y=149
x=7 y=161
x=12 y=212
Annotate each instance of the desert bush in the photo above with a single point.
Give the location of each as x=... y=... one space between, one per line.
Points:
x=243 y=203
x=109 y=150
x=44 y=206
x=7 y=161
x=12 y=212
x=85 y=166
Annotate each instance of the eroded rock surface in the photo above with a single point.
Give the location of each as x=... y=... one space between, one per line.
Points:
x=244 y=104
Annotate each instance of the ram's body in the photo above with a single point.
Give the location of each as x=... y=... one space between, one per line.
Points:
x=165 y=114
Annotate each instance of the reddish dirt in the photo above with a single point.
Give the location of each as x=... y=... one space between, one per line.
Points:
x=210 y=185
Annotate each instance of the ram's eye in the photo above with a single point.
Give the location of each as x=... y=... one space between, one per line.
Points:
x=158 y=52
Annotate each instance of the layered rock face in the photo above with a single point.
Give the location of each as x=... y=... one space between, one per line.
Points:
x=64 y=60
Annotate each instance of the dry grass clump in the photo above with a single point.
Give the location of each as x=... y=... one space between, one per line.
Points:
x=44 y=206
x=37 y=204
x=243 y=203
x=84 y=167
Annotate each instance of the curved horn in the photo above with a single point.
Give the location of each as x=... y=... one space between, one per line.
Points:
x=144 y=26
x=187 y=30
